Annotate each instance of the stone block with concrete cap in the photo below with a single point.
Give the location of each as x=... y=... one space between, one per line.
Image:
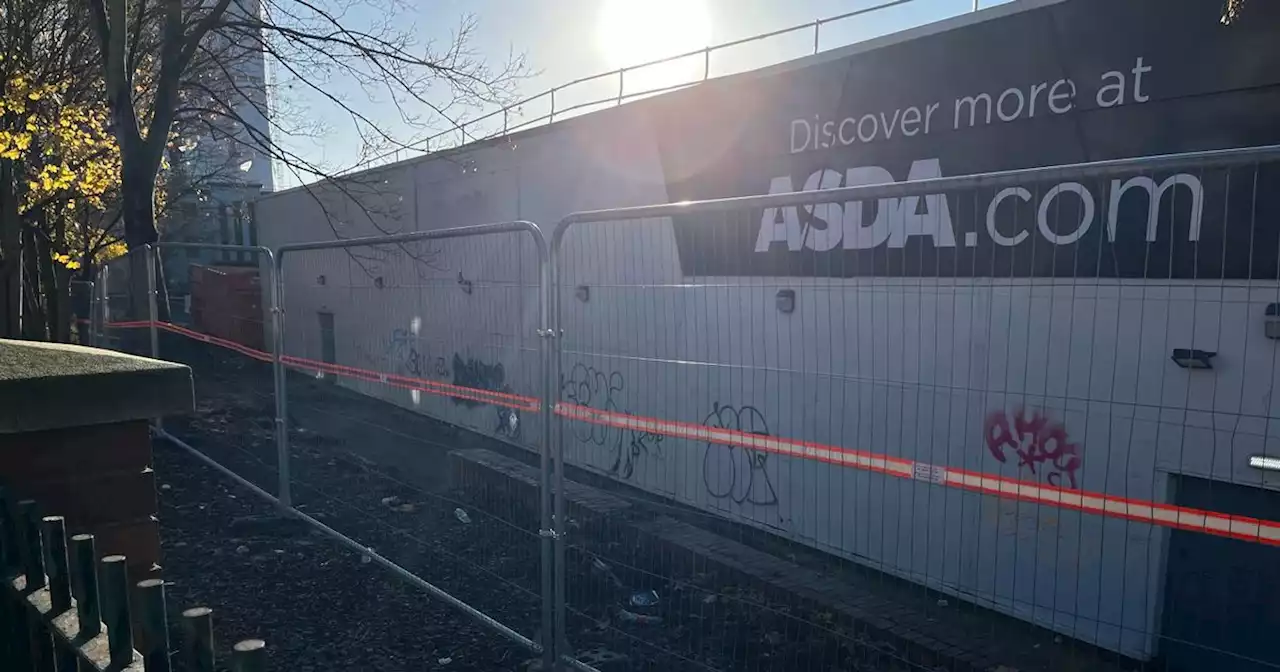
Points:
x=74 y=437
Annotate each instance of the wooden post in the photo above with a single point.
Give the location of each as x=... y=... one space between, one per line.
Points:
x=155 y=629
x=33 y=555
x=15 y=613
x=249 y=656
x=8 y=533
x=115 y=603
x=85 y=582
x=197 y=642
x=54 y=534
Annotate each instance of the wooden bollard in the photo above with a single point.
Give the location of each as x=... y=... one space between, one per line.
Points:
x=54 y=535
x=249 y=656
x=84 y=575
x=8 y=533
x=14 y=621
x=197 y=641
x=155 y=629
x=41 y=639
x=115 y=609
x=32 y=555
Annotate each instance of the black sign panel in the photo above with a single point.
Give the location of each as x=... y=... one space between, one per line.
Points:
x=1081 y=80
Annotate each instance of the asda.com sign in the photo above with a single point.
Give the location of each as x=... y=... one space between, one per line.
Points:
x=994 y=96
x=855 y=225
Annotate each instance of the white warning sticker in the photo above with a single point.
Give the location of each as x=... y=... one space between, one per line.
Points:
x=928 y=472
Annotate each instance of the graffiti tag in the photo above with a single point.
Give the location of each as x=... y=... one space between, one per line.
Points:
x=738 y=473
x=588 y=386
x=480 y=375
x=1041 y=444
x=401 y=355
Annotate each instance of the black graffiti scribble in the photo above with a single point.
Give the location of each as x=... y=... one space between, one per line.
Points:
x=401 y=356
x=508 y=423
x=412 y=363
x=733 y=472
x=588 y=386
x=1037 y=441
x=480 y=375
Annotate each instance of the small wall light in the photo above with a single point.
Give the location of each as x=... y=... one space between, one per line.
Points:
x=1264 y=463
x=786 y=300
x=582 y=292
x=377 y=282
x=320 y=280
x=1271 y=324
x=1193 y=359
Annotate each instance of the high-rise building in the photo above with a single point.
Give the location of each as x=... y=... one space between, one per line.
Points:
x=221 y=162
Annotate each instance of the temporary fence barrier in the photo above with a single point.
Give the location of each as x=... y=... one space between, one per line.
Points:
x=61 y=608
x=490 y=277
x=828 y=362
x=1024 y=415
x=202 y=327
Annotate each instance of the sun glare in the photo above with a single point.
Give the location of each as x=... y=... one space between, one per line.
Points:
x=630 y=32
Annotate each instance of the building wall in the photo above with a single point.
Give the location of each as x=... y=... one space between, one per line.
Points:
x=909 y=347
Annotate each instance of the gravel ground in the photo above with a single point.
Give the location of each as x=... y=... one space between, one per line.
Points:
x=321 y=607
x=317 y=605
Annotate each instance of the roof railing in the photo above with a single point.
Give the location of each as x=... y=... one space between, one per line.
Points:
x=466 y=131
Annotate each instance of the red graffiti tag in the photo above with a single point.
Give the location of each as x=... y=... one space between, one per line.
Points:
x=1037 y=441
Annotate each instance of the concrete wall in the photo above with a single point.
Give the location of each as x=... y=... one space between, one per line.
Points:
x=931 y=369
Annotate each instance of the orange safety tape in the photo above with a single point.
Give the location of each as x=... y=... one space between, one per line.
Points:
x=1179 y=517
x=404 y=382
x=1210 y=522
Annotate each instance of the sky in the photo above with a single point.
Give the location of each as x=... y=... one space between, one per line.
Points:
x=564 y=40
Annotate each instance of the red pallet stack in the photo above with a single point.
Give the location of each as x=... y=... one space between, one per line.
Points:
x=226 y=301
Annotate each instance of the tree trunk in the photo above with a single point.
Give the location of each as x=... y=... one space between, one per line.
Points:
x=10 y=255
x=138 y=203
x=33 y=309
x=54 y=295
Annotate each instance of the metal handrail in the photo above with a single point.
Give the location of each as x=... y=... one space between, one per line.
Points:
x=424 y=145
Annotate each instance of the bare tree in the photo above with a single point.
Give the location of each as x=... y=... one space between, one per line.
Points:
x=174 y=69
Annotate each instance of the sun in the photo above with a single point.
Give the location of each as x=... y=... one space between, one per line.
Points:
x=630 y=32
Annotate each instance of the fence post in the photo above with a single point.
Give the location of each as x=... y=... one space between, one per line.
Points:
x=548 y=527
x=102 y=316
x=249 y=656
x=155 y=629
x=557 y=437
x=197 y=644
x=41 y=639
x=54 y=533
x=115 y=602
x=284 y=491
x=85 y=584
x=13 y=623
x=9 y=557
x=149 y=255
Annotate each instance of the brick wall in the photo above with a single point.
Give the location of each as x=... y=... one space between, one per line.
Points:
x=99 y=478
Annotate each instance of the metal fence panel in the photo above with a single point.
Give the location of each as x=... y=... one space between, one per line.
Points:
x=448 y=324
x=999 y=387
